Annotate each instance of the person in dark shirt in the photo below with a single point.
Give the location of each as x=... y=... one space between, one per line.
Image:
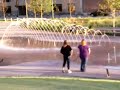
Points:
x=66 y=50
x=84 y=52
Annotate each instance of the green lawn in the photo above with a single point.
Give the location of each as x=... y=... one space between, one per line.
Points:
x=57 y=83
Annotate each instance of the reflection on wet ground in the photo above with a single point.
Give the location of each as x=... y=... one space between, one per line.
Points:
x=101 y=54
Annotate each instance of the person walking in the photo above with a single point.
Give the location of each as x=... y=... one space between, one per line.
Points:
x=84 y=52
x=67 y=51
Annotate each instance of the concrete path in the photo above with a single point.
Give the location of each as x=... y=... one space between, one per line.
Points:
x=53 y=68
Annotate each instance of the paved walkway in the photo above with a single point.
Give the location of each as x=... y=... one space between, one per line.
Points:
x=53 y=68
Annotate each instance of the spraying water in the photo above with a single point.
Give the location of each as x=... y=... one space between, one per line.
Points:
x=43 y=35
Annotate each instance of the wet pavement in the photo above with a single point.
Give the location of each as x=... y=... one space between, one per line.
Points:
x=53 y=68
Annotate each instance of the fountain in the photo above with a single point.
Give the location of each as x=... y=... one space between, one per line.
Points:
x=36 y=39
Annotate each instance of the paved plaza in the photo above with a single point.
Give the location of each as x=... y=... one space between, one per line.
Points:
x=53 y=68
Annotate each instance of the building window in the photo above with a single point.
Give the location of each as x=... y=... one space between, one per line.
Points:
x=22 y=10
x=8 y=10
x=8 y=0
x=71 y=7
x=58 y=8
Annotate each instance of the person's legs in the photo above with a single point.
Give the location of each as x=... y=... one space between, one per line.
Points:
x=68 y=65
x=64 y=63
x=83 y=64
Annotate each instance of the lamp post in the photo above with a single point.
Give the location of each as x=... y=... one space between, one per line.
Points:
x=114 y=22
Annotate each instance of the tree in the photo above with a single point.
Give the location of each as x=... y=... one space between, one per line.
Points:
x=112 y=6
x=52 y=3
x=41 y=6
x=26 y=5
x=71 y=6
x=4 y=7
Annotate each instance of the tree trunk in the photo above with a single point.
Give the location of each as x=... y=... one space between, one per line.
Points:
x=34 y=13
x=52 y=10
x=41 y=13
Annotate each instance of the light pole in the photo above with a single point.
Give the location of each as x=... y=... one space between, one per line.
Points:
x=114 y=22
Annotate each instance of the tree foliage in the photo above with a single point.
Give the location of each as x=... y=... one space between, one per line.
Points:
x=113 y=6
x=3 y=7
x=41 y=6
x=110 y=5
x=71 y=8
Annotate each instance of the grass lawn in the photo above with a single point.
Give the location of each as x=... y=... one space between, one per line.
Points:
x=57 y=83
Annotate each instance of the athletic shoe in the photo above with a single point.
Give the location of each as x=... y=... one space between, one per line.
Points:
x=63 y=70
x=69 y=71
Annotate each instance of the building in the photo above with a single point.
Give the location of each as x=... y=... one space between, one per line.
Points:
x=18 y=7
